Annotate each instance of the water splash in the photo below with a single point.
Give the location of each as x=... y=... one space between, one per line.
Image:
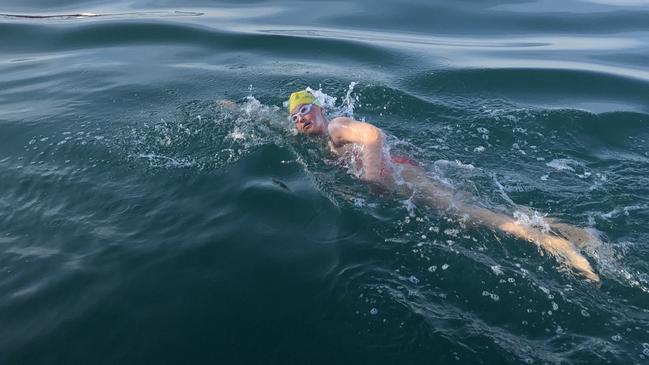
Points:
x=347 y=108
x=329 y=102
x=532 y=219
x=326 y=101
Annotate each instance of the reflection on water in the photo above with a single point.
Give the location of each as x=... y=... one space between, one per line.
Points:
x=148 y=14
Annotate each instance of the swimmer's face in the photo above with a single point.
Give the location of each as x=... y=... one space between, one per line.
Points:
x=309 y=119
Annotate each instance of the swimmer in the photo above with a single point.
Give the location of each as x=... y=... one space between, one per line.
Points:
x=404 y=176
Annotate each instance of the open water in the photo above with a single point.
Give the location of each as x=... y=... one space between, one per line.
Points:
x=144 y=222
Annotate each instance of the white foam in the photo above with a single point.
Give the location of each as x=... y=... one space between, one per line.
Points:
x=562 y=164
x=496 y=269
x=236 y=134
x=623 y=210
x=156 y=160
x=456 y=163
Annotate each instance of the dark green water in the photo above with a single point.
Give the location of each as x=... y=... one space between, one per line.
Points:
x=143 y=223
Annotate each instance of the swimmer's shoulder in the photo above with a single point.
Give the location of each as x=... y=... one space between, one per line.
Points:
x=350 y=130
x=341 y=121
x=338 y=128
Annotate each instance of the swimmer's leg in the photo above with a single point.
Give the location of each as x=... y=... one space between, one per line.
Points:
x=559 y=247
x=581 y=237
x=439 y=196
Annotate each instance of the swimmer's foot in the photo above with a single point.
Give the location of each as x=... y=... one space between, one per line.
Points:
x=559 y=247
x=564 y=249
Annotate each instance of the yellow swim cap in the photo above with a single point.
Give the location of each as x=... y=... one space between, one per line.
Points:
x=301 y=97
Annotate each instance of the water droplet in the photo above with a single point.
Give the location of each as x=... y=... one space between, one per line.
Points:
x=494 y=297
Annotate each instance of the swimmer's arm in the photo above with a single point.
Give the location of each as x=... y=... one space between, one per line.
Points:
x=345 y=130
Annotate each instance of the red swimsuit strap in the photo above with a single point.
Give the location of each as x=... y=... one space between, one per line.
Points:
x=404 y=160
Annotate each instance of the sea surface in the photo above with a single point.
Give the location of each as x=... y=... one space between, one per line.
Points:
x=158 y=207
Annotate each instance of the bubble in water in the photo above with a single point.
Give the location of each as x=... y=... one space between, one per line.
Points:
x=451 y=232
x=413 y=279
x=493 y=296
x=374 y=311
x=616 y=338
